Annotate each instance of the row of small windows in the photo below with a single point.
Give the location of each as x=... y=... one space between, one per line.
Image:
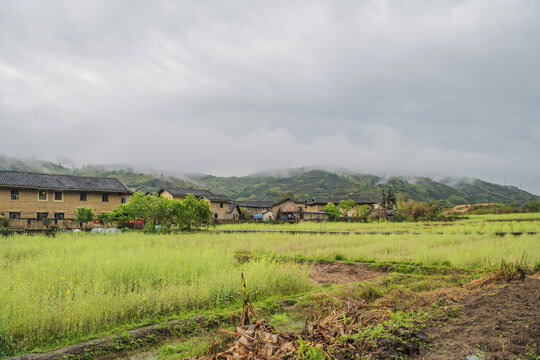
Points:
x=59 y=196
x=14 y=215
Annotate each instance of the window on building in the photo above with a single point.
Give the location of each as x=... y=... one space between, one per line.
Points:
x=14 y=215
x=220 y=205
x=105 y=197
x=58 y=195
x=83 y=196
x=42 y=215
x=14 y=194
x=123 y=201
x=42 y=195
x=215 y=216
x=58 y=216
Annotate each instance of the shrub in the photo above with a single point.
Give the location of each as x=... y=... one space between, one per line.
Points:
x=46 y=221
x=4 y=222
x=363 y=212
x=531 y=206
x=418 y=210
x=306 y=351
x=106 y=218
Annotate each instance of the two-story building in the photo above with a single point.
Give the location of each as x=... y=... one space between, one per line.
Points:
x=221 y=206
x=26 y=198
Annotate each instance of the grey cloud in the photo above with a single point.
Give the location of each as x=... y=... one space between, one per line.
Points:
x=422 y=87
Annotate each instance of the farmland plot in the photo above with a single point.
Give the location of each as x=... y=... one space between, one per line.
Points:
x=56 y=291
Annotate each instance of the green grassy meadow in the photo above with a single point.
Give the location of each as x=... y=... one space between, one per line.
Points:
x=60 y=290
x=479 y=224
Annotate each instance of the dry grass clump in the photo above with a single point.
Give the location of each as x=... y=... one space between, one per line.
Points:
x=517 y=269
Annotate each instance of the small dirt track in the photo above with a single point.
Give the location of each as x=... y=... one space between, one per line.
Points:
x=500 y=324
x=342 y=273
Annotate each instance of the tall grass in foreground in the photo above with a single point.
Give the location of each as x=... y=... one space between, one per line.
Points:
x=53 y=290
x=71 y=286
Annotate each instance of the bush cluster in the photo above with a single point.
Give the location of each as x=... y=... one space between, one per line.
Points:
x=418 y=211
x=155 y=211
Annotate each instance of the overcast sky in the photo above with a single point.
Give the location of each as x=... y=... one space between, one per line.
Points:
x=234 y=87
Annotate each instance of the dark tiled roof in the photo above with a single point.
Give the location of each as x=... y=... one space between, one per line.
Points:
x=20 y=179
x=255 y=204
x=233 y=206
x=287 y=199
x=181 y=192
x=321 y=201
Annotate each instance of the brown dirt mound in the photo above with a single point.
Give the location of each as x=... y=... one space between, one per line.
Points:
x=342 y=273
x=499 y=324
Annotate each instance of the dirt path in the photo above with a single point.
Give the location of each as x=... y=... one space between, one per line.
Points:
x=342 y=273
x=500 y=324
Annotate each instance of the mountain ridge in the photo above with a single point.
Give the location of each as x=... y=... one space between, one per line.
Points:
x=301 y=182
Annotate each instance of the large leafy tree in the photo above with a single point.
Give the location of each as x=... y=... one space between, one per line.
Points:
x=332 y=210
x=192 y=213
x=139 y=207
x=156 y=210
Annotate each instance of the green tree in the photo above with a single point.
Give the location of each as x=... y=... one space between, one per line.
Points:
x=140 y=207
x=84 y=215
x=345 y=206
x=191 y=213
x=204 y=214
x=106 y=218
x=531 y=206
x=388 y=197
x=363 y=212
x=163 y=210
x=332 y=210
x=121 y=215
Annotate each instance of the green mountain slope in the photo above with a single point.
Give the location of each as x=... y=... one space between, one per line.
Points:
x=478 y=191
x=321 y=183
x=302 y=183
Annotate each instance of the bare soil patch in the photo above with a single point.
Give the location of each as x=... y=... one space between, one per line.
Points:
x=500 y=324
x=342 y=273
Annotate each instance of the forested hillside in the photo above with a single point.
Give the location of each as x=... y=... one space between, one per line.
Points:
x=301 y=183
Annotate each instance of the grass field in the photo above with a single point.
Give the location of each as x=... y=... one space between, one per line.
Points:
x=478 y=224
x=55 y=291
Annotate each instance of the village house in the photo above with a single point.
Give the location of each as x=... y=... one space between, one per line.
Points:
x=251 y=208
x=291 y=210
x=288 y=209
x=221 y=206
x=26 y=198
